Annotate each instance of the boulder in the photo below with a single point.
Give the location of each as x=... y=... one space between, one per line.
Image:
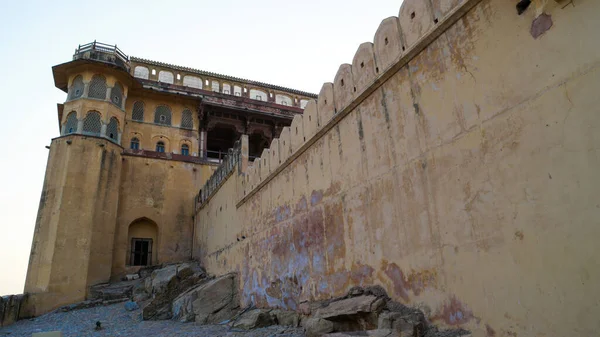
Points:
x=351 y=306
x=211 y=302
x=316 y=327
x=257 y=318
x=164 y=292
x=286 y=318
x=160 y=278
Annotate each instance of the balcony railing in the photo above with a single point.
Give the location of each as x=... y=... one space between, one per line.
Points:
x=102 y=52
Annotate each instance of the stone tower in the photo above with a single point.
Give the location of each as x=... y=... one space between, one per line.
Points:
x=73 y=240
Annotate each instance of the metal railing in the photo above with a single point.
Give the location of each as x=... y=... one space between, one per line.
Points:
x=228 y=164
x=91 y=47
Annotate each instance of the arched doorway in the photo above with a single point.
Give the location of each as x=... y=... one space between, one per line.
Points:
x=143 y=243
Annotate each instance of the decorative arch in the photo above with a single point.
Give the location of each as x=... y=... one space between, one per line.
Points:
x=192 y=81
x=162 y=115
x=112 y=129
x=187 y=121
x=283 y=100
x=92 y=123
x=116 y=95
x=165 y=76
x=141 y=72
x=142 y=238
x=166 y=143
x=137 y=113
x=76 y=89
x=97 y=87
x=70 y=123
x=258 y=95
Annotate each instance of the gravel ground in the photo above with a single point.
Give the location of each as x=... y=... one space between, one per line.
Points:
x=116 y=321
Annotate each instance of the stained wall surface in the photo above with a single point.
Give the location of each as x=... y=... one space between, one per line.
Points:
x=462 y=181
x=72 y=246
x=160 y=191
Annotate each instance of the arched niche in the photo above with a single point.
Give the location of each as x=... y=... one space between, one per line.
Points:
x=142 y=243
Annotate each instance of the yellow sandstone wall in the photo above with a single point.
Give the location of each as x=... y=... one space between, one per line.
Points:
x=74 y=231
x=161 y=191
x=454 y=163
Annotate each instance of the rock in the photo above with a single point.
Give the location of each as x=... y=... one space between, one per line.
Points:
x=350 y=306
x=286 y=318
x=257 y=318
x=131 y=277
x=211 y=302
x=163 y=294
x=139 y=293
x=317 y=326
x=160 y=278
x=131 y=306
x=10 y=307
x=370 y=333
x=398 y=322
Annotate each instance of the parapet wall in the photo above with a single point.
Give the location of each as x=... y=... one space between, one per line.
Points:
x=453 y=163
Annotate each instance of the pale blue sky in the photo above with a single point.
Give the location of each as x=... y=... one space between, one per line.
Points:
x=294 y=44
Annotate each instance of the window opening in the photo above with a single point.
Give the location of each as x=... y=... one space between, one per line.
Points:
x=160 y=147
x=185 y=150
x=141 y=252
x=135 y=144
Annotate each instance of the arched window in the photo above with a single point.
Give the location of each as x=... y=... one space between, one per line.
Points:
x=215 y=86
x=186 y=119
x=258 y=95
x=112 y=129
x=162 y=115
x=92 y=123
x=117 y=95
x=283 y=99
x=226 y=88
x=237 y=90
x=303 y=103
x=192 y=81
x=185 y=150
x=165 y=76
x=97 y=87
x=160 y=147
x=141 y=72
x=137 y=114
x=134 y=144
x=76 y=89
x=71 y=123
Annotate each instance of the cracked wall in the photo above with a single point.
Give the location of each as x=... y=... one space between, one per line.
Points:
x=462 y=179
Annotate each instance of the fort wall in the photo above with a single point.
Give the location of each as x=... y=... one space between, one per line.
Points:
x=452 y=163
x=73 y=238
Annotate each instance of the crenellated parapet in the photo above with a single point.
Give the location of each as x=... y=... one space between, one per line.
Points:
x=396 y=41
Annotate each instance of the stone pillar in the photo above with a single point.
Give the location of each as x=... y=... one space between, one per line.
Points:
x=103 y=130
x=80 y=125
x=202 y=152
x=86 y=89
x=108 y=93
x=244 y=156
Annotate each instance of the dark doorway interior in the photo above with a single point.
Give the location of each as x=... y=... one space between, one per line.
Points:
x=141 y=252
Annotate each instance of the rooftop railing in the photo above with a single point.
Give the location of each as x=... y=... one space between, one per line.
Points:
x=102 y=52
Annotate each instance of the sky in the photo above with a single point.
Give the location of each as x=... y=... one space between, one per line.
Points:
x=293 y=44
